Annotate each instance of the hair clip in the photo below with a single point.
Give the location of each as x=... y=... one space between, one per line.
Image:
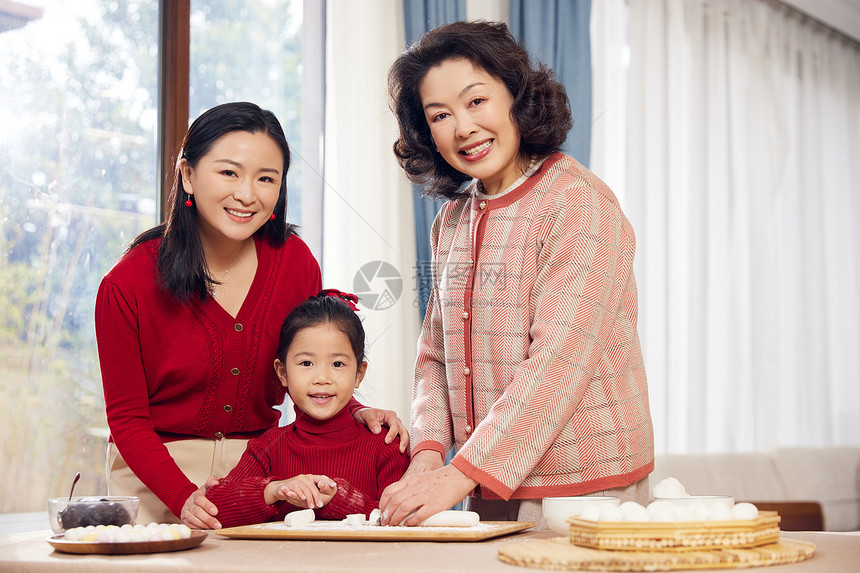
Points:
x=349 y=298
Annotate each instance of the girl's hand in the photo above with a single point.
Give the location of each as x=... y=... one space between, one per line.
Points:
x=374 y=418
x=198 y=512
x=306 y=490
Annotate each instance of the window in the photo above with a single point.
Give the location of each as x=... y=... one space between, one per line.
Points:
x=79 y=160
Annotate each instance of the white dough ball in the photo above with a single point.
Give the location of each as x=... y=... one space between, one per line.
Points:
x=670 y=488
x=590 y=512
x=354 y=519
x=719 y=512
x=632 y=511
x=299 y=518
x=699 y=511
x=610 y=513
x=744 y=511
x=662 y=511
x=682 y=512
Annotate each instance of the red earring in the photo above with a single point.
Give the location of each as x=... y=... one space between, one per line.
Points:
x=272 y=217
x=188 y=202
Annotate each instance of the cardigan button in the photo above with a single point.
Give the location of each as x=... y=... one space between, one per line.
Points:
x=228 y=408
x=482 y=205
x=218 y=435
x=465 y=315
x=471 y=263
x=468 y=429
x=238 y=327
x=466 y=371
x=234 y=371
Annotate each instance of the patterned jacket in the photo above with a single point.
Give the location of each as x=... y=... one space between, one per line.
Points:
x=529 y=361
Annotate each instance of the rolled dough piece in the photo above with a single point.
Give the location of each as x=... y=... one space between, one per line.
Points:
x=299 y=518
x=452 y=518
x=354 y=519
x=374 y=517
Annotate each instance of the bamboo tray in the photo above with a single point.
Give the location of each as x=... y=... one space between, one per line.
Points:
x=674 y=537
x=558 y=555
x=337 y=530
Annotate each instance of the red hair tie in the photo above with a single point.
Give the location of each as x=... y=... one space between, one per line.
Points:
x=349 y=298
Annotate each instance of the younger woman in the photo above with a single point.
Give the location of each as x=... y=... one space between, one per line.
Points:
x=188 y=320
x=325 y=460
x=528 y=362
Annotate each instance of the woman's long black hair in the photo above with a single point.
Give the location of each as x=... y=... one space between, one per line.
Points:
x=181 y=263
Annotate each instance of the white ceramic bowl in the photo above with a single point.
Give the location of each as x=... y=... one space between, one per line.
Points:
x=557 y=510
x=92 y=510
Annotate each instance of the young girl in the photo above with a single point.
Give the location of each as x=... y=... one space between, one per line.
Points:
x=325 y=460
x=184 y=319
x=528 y=362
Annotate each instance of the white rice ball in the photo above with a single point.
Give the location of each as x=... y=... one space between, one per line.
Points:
x=662 y=511
x=744 y=511
x=682 y=512
x=699 y=511
x=670 y=488
x=610 y=513
x=719 y=512
x=632 y=511
x=73 y=534
x=590 y=512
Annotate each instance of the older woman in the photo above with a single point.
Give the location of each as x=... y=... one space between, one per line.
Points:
x=528 y=363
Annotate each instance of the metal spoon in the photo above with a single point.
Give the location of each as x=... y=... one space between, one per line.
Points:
x=74 y=483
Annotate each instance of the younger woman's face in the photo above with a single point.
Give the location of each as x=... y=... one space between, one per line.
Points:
x=235 y=186
x=320 y=371
x=469 y=114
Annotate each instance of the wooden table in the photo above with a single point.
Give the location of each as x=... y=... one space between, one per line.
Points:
x=29 y=552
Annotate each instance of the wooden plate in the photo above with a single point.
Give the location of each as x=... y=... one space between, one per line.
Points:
x=337 y=530
x=128 y=548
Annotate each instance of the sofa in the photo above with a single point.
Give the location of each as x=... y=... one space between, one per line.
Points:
x=792 y=480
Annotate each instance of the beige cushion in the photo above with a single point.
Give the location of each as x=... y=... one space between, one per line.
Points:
x=830 y=476
x=745 y=476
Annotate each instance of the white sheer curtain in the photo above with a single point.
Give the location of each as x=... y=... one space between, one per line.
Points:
x=742 y=182
x=367 y=211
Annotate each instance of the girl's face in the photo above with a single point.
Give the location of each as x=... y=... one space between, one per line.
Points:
x=236 y=185
x=320 y=371
x=469 y=114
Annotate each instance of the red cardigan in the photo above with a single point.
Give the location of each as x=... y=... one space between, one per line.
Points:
x=361 y=464
x=173 y=370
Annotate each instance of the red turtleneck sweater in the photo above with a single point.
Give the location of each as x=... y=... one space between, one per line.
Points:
x=360 y=462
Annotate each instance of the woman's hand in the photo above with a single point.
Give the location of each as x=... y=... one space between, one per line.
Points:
x=374 y=418
x=198 y=512
x=427 y=488
x=306 y=490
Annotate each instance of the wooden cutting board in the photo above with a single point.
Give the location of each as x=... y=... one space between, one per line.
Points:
x=559 y=555
x=337 y=530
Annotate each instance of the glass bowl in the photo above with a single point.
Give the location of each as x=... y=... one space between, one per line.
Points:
x=556 y=510
x=65 y=514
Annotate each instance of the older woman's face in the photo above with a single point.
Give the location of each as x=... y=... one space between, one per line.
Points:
x=469 y=114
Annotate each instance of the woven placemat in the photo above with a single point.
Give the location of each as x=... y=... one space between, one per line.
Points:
x=558 y=554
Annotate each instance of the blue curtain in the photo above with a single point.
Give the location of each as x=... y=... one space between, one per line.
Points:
x=556 y=32
x=421 y=16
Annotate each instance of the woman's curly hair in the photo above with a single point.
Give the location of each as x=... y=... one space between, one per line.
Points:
x=540 y=109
